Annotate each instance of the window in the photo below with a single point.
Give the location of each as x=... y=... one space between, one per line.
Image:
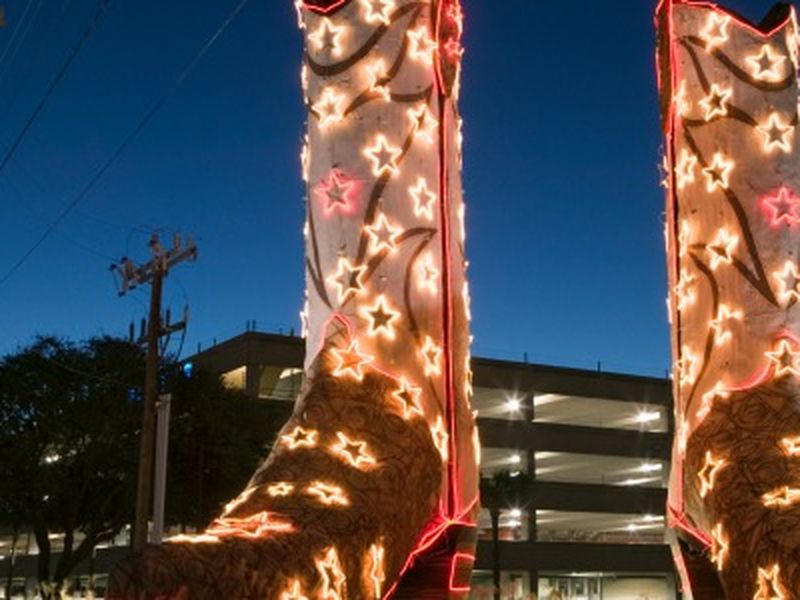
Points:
x=512 y=525
x=495 y=460
x=598 y=528
x=497 y=403
x=235 y=379
x=599 y=412
x=601 y=470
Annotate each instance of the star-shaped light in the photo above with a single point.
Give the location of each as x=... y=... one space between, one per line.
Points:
x=716 y=103
x=715 y=33
x=440 y=437
x=766 y=63
x=327 y=37
x=378 y=78
x=789 y=280
x=791 y=445
x=383 y=156
x=304 y=320
x=333 y=578
x=708 y=473
x=775 y=132
x=282 y=488
x=769 y=584
x=381 y=318
x=787 y=361
x=298 y=7
x=336 y=191
x=377 y=571
x=718 y=391
x=724 y=313
x=353 y=451
x=783 y=207
x=424 y=199
x=680 y=100
x=382 y=235
x=378 y=11
x=719 y=546
x=408 y=396
x=238 y=501
x=347 y=279
x=722 y=248
x=428 y=274
x=781 y=498
x=423 y=123
x=331 y=495
x=684 y=234
x=260 y=525
x=718 y=172
x=684 y=170
x=300 y=438
x=431 y=354
x=687 y=367
x=294 y=591
x=329 y=108
x=422 y=46
x=350 y=361
x=683 y=291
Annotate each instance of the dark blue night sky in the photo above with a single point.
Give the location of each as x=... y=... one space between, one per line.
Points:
x=562 y=148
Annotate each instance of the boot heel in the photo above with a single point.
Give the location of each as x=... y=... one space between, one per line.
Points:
x=443 y=571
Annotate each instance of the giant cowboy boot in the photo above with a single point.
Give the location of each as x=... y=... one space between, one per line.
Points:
x=729 y=102
x=371 y=490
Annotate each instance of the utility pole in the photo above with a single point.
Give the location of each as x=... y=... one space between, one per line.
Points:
x=153 y=272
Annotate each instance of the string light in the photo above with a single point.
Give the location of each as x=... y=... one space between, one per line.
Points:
x=769 y=584
x=295 y=591
x=719 y=546
x=783 y=207
x=687 y=366
x=378 y=11
x=332 y=575
x=337 y=191
x=708 y=473
x=718 y=172
x=715 y=33
x=381 y=318
x=282 y=488
x=781 y=498
x=775 y=132
x=787 y=361
x=765 y=64
x=467 y=300
x=683 y=238
x=408 y=397
x=724 y=313
x=382 y=235
x=298 y=7
x=330 y=495
x=305 y=160
x=377 y=571
x=681 y=101
x=423 y=123
x=327 y=37
x=240 y=499
x=422 y=46
x=684 y=170
x=300 y=438
x=383 y=156
x=722 y=248
x=683 y=292
x=718 y=391
x=428 y=275
x=431 y=353
x=424 y=199
x=329 y=108
x=347 y=279
x=353 y=451
x=350 y=361
x=716 y=103
x=440 y=437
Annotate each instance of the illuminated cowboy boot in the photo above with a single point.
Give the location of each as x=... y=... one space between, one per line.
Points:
x=371 y=490
x=729 y=105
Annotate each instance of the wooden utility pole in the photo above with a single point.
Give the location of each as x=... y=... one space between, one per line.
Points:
x=132 y=276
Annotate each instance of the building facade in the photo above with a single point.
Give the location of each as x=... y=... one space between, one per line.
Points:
x=583 y=457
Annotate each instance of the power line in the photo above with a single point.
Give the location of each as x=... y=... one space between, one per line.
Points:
x=56 y=80
x=125 y=143
x=17 y=30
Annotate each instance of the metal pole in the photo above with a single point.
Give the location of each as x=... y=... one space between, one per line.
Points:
x=160 y=485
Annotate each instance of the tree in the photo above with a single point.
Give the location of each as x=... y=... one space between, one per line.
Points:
x=68 y=439
x=502 y=490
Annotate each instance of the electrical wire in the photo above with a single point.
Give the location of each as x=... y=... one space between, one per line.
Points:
x=125 y=143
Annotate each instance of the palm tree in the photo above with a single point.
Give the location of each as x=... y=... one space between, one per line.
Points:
x=502 y=489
